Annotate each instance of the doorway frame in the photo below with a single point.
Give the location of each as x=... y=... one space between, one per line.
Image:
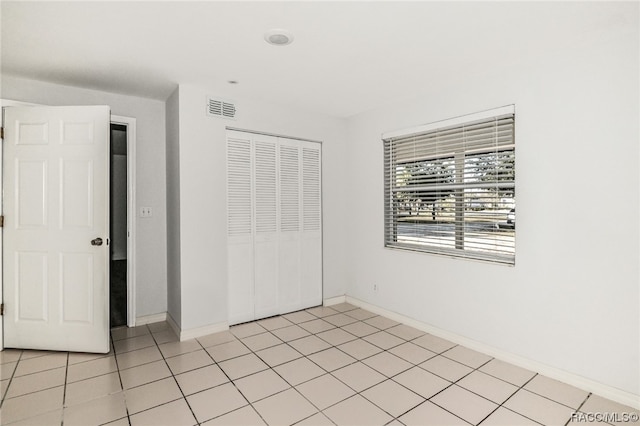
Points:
x=130 y=123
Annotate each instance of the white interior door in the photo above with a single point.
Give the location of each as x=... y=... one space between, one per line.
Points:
x=56 y=189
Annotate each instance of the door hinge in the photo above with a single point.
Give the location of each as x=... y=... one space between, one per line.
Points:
x=1 y=132
x=1 y=221
x=1 y=308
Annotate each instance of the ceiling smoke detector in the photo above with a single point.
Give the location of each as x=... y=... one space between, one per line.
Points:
x=278 y=37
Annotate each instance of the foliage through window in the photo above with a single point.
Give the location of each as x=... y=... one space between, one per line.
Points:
x=450 y=187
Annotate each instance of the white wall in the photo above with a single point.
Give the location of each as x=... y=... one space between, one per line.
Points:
x=151 y=242
x=202 y=194
x=173 y=208
x=572 y=299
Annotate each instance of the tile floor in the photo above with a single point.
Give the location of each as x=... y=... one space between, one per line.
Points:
x=322 y=366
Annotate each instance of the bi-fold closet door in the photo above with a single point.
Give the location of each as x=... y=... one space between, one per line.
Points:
x=274 y=225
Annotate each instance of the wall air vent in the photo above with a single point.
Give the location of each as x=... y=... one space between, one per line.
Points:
x=221 y=108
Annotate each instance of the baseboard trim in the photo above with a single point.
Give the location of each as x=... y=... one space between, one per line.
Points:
x=149 y=319
x=173 y=324
x=600 y=389
x=334 y=300
x=192 y=333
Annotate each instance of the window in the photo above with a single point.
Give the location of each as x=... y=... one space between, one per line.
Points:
x=450 y=187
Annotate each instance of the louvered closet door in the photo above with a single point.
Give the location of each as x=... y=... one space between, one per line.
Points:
x=290 y=224
x=266 y=226
x=274 y=225
x=240 y=227
x=311 y=235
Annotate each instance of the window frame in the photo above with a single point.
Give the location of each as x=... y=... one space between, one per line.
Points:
x=459 y=150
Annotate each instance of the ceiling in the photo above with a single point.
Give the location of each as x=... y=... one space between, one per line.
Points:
x=347 y=57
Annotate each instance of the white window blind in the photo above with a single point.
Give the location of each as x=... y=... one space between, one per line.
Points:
x=450 y=187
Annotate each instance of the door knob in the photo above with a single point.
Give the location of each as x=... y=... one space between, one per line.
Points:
x=96 y=242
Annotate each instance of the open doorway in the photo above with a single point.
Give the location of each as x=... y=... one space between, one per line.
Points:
x=118 y=226
x=123 y=221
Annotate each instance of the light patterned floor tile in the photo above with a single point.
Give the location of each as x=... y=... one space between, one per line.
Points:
x=32 y=404
x=275 y=323
x=538 y=408
x=261 y=341
x=357 y=411
x=392 y=397
x=325 y=391
x=173 y=413
x=36 y=382
x=507 y=372
x=429 y=414
x=464 y=404
x=225 y=351
x=242 y=366
x=309 y=345
x=466 y=356
x=277 y=355
x=145 y=373
x=433 y=343
x=51 y=418
x=381 y=322
x=139 y=357
x=384 y=340
x=359 y=376
x=446 y=368
x=504 y=417
x=298 y=408
x=300 y=317
x=245 y=416
x=316 y=326
x=413 y=353
x=93 y=388
x=133 y=343
x=336 y=336
x=422 y=382
x=245 y=330
x=216 y=339
x=41 y=363
x=86 y=370
x=340 y=320
x=322 y=311
x=172 y=349
x=215 y=402
x=189 y=361
x=331 y=359
x=201 y=379
x=359 y=349
x=151 y=395
x=387 y=364
x=557 y=391
x=97 y=411
x=261 y=385
x=405 y=332
x=299 y=371
x=360 y=329
x=293 y=332
x=488 y=386
x=360 y=314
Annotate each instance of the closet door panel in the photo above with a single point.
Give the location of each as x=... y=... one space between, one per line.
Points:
x=241 y=288
x=240 y=260
x=311 y=238
x=266 y=226
x=290 y=224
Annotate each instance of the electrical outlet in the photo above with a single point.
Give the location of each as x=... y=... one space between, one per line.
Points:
x=145 y=212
